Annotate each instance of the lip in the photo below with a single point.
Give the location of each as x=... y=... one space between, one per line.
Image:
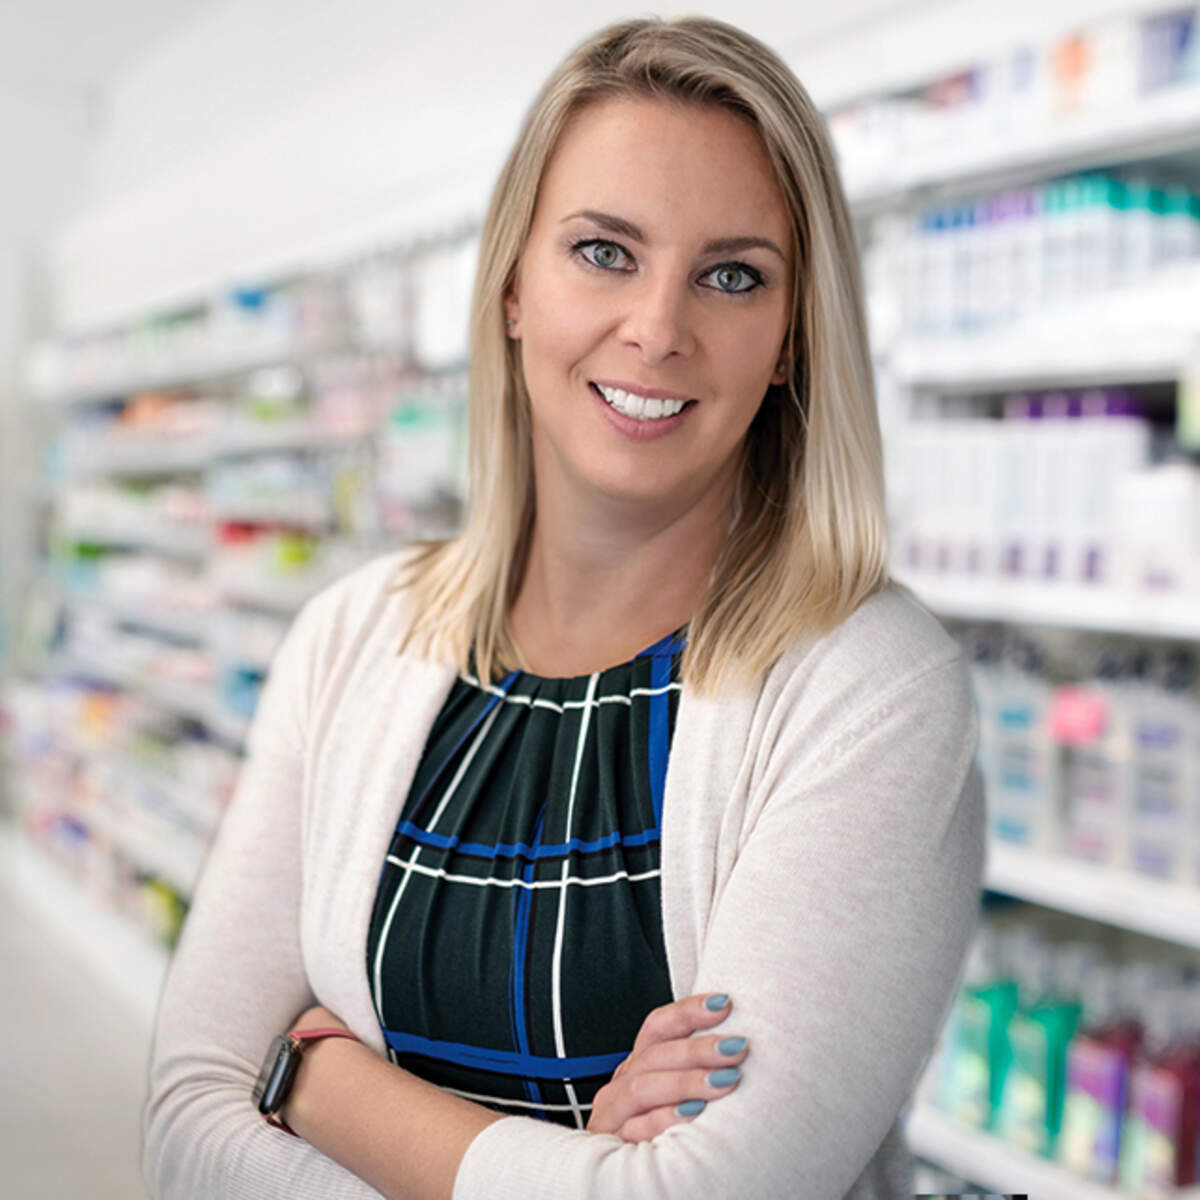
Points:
x=640 y=390
x=633 y=429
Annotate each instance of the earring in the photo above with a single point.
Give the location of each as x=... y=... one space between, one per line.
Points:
x=510 y=324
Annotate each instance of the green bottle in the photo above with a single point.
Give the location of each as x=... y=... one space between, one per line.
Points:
x=1039 y=1035
x=975 y=1056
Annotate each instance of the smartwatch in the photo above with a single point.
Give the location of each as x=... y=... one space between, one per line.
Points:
x=274 y=1082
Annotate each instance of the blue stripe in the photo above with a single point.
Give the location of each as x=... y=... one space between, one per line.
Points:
x=660 y=733
x=427 y=837
x=665 y=647
x=517 y=979
x=505 y=1062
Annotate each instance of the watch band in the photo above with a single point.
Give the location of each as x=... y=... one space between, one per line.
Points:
x=299 y=1039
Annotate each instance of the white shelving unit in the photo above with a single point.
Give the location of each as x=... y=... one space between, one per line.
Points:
x=1158 y=125
x=1128 y=901
x=1143 y=333
x=1146 y=332
x=1067 y=606
x=994 y=1164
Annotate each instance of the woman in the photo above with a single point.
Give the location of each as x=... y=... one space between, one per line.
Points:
x=666 y=627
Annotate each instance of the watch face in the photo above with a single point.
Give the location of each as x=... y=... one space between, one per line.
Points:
x=275 y=1079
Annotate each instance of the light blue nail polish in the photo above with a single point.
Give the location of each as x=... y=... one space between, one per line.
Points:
x=689 y=1108
x=715 y=1003
x=724 y=1077
x=733 y=1045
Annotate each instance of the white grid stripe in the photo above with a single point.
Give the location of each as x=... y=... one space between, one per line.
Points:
x=516 y=1103
x=536 y=702
x=556 y=970
x=531 y=885
x=478 y=741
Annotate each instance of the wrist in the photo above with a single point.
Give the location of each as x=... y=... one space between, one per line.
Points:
x=322 y=1063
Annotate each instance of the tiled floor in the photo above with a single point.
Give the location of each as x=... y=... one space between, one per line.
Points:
x=72 y=1065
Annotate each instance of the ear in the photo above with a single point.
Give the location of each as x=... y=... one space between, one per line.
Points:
x=512 y=313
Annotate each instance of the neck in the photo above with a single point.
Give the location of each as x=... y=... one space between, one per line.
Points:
x=603 y=580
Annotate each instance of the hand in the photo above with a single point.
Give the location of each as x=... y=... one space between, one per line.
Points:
x=666 y=1067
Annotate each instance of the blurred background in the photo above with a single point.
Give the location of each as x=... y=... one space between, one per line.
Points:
x=237 y=241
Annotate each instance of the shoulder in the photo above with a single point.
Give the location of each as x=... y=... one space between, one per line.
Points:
x=365 y=606
x=891 y=636
x=892 y=650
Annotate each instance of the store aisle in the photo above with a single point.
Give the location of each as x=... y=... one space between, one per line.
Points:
x=73 y=1060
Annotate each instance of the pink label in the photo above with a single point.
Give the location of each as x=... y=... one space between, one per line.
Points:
x=1078 y=716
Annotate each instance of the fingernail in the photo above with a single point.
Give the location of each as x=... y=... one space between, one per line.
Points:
x=689 y=1108
x=732 y=1045
x=724 y=1077
x=715 y=1003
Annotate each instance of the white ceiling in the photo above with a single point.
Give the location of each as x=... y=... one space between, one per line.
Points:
x=52 y=45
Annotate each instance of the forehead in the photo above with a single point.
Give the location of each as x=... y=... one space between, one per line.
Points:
x=653 y=160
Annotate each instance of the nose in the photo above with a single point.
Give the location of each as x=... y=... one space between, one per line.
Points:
x=658 y=321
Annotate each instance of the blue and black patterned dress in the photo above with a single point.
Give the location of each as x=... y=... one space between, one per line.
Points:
x=516 y=942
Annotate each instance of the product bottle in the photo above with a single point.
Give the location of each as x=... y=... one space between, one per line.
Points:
x=1024 y=756
x=1162 y=716
x=1099 y=1062
x=1039 y=1033
x=1159 y=1150
x=1090 y=723
x=976 y=1048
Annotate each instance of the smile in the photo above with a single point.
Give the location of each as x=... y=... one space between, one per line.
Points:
x=640 y=408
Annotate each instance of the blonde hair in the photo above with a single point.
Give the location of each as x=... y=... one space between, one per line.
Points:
x=807 y=541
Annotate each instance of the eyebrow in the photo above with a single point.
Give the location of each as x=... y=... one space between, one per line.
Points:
x=729 y=245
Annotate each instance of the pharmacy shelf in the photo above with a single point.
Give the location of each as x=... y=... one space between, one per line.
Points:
x=171 y=859
x=155 y=454
x=266 y=437
x=283 y=596
x=170 y=538
x=193 y=701
x=119 y=955
x=1163 y=910
x=1073 y=606
x=1156 y=125
x=987 y=1160
x=1145 y=332
x=182 y=368
x=148 y=614
x=305 y=511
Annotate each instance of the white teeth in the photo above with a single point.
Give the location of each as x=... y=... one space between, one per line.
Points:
x=641 y=408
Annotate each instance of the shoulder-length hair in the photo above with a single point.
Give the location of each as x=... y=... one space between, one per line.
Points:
x=807 y=541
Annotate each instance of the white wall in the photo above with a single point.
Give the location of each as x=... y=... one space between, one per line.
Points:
x=266 y=134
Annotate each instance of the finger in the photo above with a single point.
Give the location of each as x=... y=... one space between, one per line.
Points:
x=682 y=1017
x=644 y=1092
x=680 y=1054
x=649 y=1125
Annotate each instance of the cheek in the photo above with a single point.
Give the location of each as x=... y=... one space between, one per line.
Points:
x=566 y=306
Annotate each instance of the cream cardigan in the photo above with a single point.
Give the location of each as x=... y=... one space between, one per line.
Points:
x=822 y=857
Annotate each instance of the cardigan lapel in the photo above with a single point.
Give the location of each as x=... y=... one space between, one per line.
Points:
x=350 y=858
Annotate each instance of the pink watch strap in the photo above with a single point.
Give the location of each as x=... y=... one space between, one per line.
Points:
x=309 y=1035
x=312 y=1035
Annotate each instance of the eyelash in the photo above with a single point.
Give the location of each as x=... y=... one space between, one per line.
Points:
x=745 y=268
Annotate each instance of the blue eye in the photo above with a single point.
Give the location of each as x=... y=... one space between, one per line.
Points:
x=604 y=255
x=605 y=252
x=736 y=269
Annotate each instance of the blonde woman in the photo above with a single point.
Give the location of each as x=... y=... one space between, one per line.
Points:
x=628 y=845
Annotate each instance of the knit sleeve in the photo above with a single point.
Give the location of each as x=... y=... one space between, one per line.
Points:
x=237 y=977
x=840 y=933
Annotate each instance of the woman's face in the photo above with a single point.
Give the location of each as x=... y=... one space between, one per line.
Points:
x=625 y=283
